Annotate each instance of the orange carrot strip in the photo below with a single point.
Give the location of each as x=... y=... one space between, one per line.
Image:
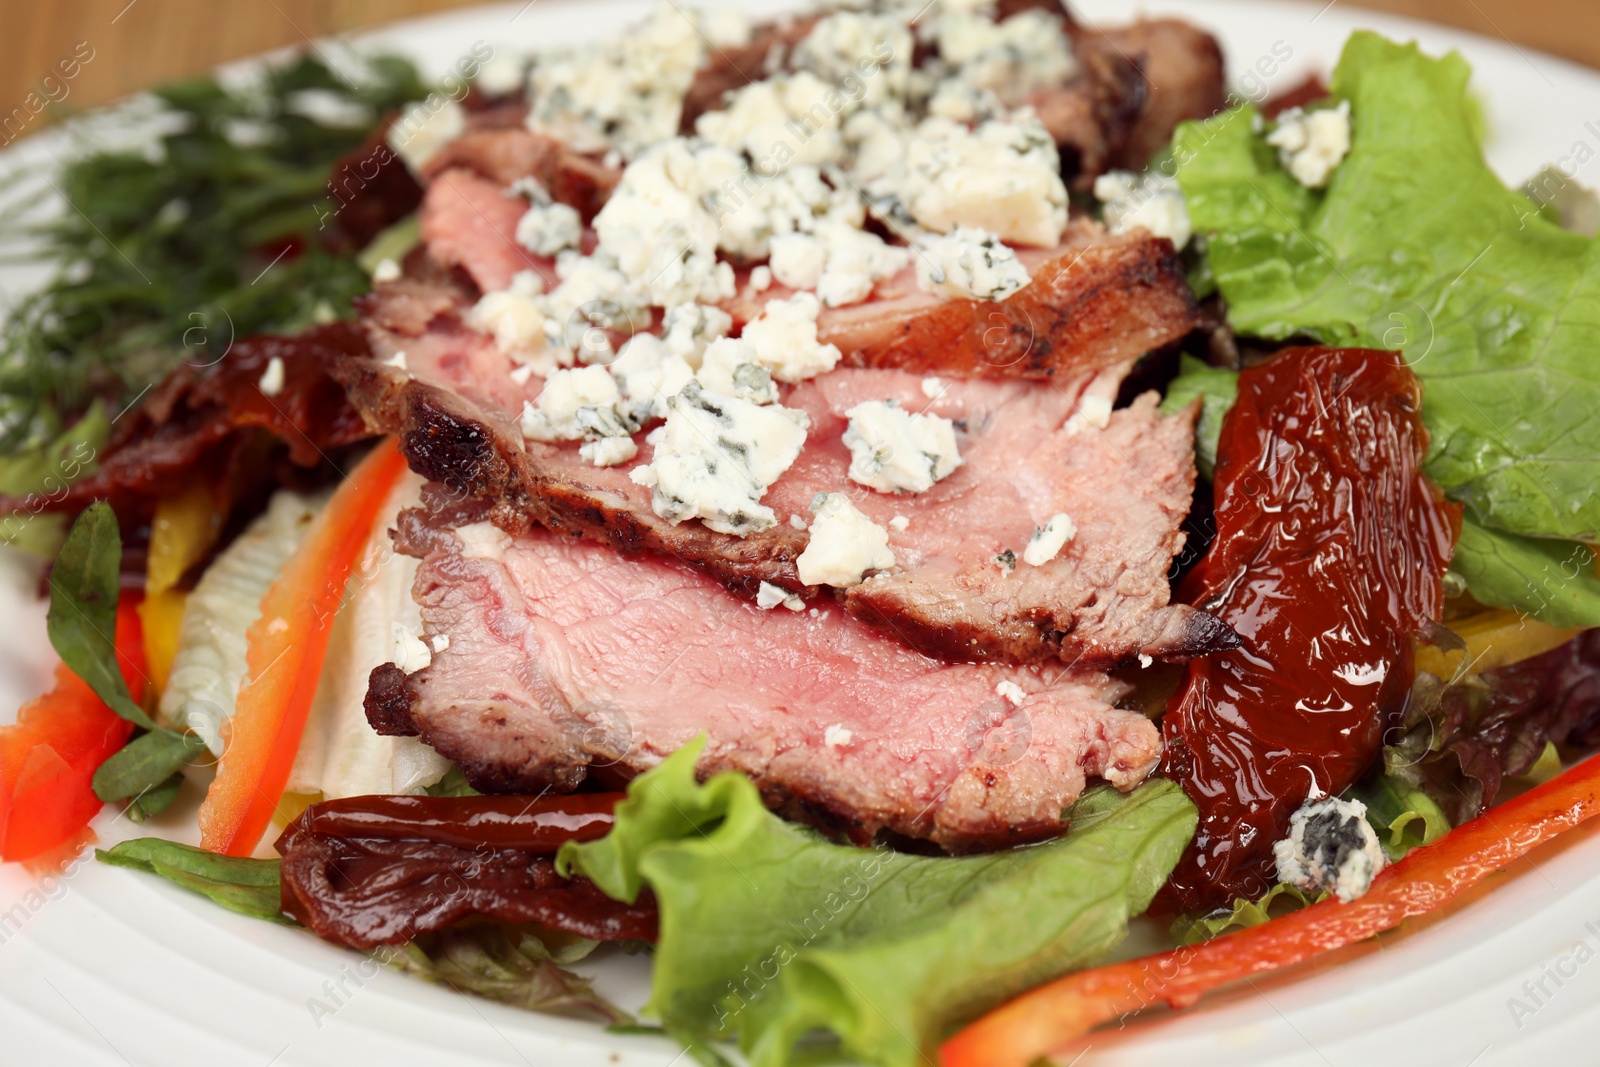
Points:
x=1047 y=1019
x=287 y=645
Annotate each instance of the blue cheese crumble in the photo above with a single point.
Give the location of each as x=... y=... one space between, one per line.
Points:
x=1151 y=200
x=844 y=545
x=1004 y=177
x=969 y=264
x=1312 y=144
x=717 y=457
x=1048 y=540
x=894 y=451
x=1331 y=847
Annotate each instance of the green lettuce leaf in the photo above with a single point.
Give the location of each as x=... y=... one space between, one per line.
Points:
x=1403 y=816
x=1217 y=389
x=771 y=931
x=1553 y=581
x=1279 y=900
x=1417 y=245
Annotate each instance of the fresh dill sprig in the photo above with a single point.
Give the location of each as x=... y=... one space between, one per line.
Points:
x=215 y=230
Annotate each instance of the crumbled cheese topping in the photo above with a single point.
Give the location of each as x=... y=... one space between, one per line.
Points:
x=867 y=57
x=899 y=524
x=1048 y=540
x=783 y=338
x=840 y=262
x=1312 y=144
x=971 y=264
x=1011 y=692
x=410 y=654
x=752 y=207
x=1004 y=177
x=608 y=451
x=1151 y=200
x=624 y=93
x=647 y=374
x=730 y=367
x=769 y=596
x=894 y=451
x=658 y=230
x=574 y=404
x=272 y=379
x=397 y=361
x=439 y=643
x=593 y=300
x=717 y=458
x=1010 y=58
x=516 y=322
x=424 y=128
x=836 y=736
x=546 y=229
x=688 y=328
x=933 y=388
x=844 y=545
x=387 y=270
x=483 y=540
x=726 y=27
x=1330 y=847
x=784 y=120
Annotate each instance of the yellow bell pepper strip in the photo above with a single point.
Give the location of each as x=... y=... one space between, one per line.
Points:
x=1494 y=638
x=1047 y=1020
x=183 y=530
x=287 y=645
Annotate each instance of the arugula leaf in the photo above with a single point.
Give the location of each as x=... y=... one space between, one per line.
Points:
x=770 y=930
x=145 y=764
x=1278 y=900
x=82 y=622
x=156 y=799
x=243 y=885
x=1217 y=389
x=1403 y=815
x=514 y=965
x=1417 y=245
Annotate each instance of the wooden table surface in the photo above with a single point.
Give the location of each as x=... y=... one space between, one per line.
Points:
x=135 y=43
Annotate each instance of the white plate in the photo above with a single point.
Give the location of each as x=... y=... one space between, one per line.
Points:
x=108 y=966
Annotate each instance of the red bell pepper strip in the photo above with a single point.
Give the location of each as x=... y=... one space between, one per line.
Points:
x=49 y=756
x=287 y=646
x=1047 y=1019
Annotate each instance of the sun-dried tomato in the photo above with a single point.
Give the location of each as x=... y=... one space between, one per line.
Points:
x=1330 y=553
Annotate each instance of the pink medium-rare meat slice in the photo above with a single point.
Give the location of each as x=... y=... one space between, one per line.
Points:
x=563 y=654
x=1098 y=301
x=1126 y=487
x=470 y=222
x=502 y=153
x=1103 y=601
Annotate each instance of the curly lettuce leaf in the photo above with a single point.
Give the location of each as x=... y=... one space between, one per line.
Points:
x=1417 y=245
x=1279 y=900
x=770 y=931
x=1552 y=581
x=1216 y=389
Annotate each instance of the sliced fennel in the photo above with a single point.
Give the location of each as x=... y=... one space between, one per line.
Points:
x=210 y=661
x=340 y=754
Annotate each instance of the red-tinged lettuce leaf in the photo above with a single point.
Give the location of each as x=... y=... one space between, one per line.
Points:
x=514 y=965
x=1462 y=741
x=771 y=931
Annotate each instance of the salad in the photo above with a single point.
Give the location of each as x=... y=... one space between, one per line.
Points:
x=863 y=508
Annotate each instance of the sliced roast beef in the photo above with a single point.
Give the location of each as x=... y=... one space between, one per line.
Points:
x=1031 y=451
x=728 y=68
x=470 y=222
x=564 y=656
x=502 y=153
